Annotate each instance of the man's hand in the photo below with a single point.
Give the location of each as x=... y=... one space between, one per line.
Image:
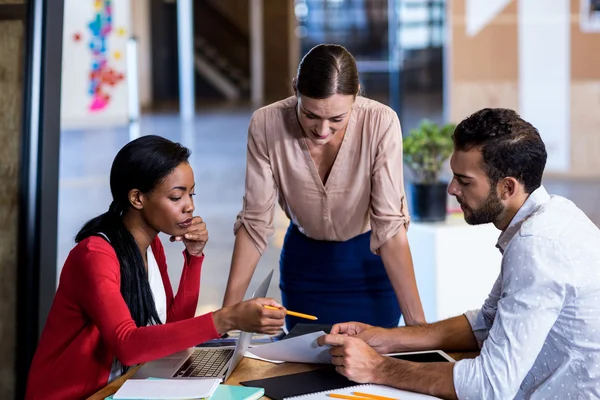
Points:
x=358 y=362
x=353 y=358
x=349 y=328
x=380 y=339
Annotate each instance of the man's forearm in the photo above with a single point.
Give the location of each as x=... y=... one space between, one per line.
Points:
x=243 y=263
x=396 y=257
x=435 y=379
x=453 y=334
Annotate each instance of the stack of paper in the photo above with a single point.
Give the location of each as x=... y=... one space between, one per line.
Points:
x=171 y=389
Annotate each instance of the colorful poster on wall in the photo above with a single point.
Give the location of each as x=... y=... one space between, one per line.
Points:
x=94 y=88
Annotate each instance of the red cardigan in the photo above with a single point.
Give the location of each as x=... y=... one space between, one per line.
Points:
x=89 y=323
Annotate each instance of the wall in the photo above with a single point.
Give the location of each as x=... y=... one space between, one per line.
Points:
x=585 y=99
x=11 y=85
x=531 y=56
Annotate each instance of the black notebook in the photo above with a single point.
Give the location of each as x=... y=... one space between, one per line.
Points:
x=304 y=329
x=303 y=383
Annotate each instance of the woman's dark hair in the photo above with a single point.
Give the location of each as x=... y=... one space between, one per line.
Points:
x=142 y=164
x=510 y=146
x=327 y=69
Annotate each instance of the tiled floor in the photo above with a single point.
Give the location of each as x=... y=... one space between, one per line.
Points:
x=217 y=139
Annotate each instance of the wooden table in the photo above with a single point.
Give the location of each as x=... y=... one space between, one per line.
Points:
x=247 y=369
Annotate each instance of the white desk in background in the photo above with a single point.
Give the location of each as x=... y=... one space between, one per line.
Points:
x=456 y=265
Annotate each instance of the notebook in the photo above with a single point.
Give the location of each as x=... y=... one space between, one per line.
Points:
x=167 y=389
x=318 y=380
x=327 y=379
x=377 y=390
x=229 y=392
x=303 y=329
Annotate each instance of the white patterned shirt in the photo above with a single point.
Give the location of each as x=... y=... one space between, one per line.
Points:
x=539 y=329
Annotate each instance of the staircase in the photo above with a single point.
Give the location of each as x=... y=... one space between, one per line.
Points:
x=222 y=51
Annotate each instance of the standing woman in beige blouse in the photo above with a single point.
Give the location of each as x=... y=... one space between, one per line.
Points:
x=333 y=159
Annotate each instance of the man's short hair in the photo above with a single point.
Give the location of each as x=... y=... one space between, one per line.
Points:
x=510 y=146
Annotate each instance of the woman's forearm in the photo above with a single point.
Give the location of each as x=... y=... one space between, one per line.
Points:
x=243 y=263
x=397 y=260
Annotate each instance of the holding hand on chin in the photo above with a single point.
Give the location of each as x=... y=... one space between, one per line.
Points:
x=194 y=238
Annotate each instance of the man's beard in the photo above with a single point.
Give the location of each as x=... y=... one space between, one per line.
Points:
x=490 y=211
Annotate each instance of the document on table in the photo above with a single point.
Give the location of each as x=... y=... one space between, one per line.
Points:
x=301 y=349
x=196 y=388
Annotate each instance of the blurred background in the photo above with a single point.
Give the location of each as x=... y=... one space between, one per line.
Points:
x=80 y=78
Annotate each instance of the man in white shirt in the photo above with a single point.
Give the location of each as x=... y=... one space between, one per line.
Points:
x=539 y=329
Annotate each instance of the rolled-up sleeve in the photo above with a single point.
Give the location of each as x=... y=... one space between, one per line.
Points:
x=481 y=320
x=532 y=299
x=389 y=210
x=261 y=192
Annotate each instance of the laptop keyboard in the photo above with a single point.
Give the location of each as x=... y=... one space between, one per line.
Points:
x=205 y=363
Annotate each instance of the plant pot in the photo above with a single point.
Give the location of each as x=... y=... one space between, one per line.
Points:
x=428 y=201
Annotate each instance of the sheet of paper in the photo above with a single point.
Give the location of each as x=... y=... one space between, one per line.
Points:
x=167 y=389
x=255 y=357
x=302 y=349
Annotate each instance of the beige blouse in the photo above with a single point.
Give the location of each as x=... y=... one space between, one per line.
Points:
x=364 y=190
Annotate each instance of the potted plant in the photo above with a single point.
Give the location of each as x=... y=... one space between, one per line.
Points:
x=426 y=149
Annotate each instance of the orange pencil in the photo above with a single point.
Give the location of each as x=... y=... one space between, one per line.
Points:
x=294 y=314
x=345 y=396
x=373 y=396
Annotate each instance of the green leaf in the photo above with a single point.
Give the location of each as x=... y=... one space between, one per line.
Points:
x=427 y=148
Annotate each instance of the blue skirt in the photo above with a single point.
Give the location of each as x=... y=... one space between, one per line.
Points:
x=335 y=281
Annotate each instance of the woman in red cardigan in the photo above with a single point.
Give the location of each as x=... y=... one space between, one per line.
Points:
x=114 y=306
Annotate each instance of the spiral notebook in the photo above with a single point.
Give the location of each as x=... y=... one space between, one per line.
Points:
x=327 y=380
x=377 y=390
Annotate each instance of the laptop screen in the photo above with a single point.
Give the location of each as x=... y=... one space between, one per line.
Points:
x=245 y=337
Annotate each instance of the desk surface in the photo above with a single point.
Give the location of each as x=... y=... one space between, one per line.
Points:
x=247 y=369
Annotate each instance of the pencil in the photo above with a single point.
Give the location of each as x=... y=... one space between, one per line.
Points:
x=294 y=314
x=345 y=396
x=372 y=396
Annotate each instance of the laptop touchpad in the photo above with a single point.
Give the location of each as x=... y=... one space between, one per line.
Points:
x=163 y=368
x=169 y=363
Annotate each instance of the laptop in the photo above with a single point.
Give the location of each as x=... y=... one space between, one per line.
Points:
x=204 y=362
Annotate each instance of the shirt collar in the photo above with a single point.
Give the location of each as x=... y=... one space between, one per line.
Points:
x=533 y=202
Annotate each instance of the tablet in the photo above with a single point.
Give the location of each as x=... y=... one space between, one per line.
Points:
x=423 y=356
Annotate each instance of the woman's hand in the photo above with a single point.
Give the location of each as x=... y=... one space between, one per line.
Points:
x=195 y=238
x=250 y=316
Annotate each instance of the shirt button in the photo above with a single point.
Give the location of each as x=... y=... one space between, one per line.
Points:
x=326 y=219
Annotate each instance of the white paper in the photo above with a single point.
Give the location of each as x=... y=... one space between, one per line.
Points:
x=255 y=357
x=167 y=389
x=301 y=349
